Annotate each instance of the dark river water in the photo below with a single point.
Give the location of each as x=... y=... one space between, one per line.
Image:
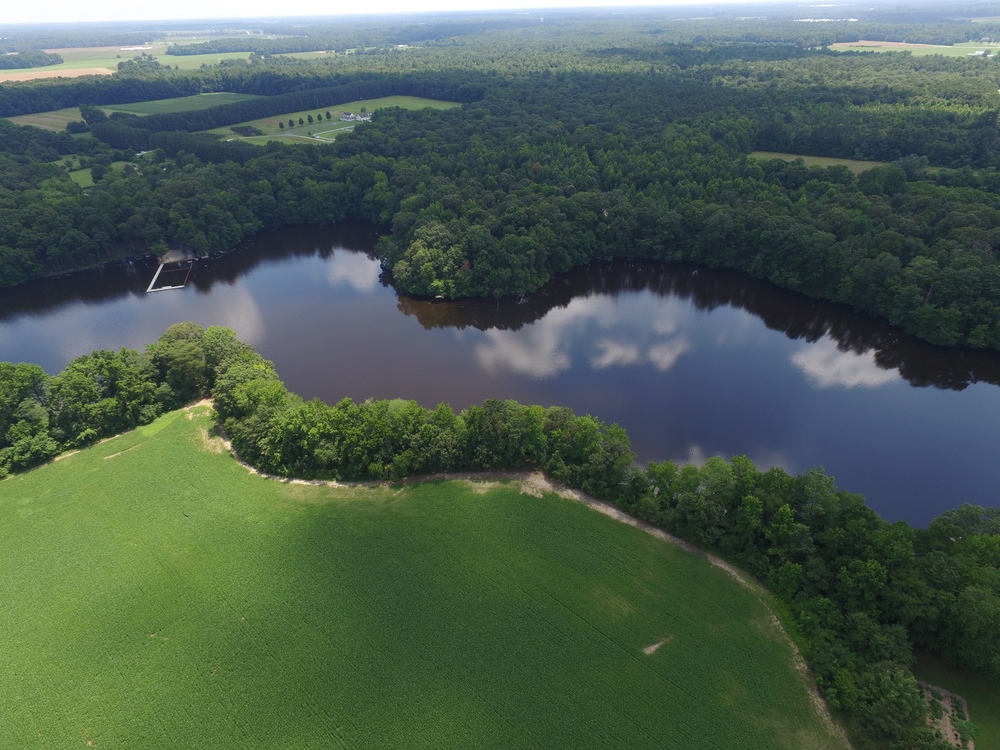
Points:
x=691 y=362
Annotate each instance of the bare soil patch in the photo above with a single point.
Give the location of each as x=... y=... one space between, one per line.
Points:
x=482 y=488
x=112 y=455
x=35 y=73
x=651 y=648
x=953 y=706
x=191 y=407
x=211 y=443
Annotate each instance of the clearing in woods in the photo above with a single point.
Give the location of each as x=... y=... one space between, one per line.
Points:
x=962 y=49
x=323 y=130
x=855 y=165
x=157 y=594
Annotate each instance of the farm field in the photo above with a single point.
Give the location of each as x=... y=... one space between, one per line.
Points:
x=855 y=165
x=180 y=103
x=958 y=50
x=327 y=130
x=58 y=119
x=104 y=61
x=159 y=595
x=983 y=698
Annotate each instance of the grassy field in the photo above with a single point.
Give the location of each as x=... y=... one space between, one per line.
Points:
x=957 y=50
x=58 y=119
x=983 y=698
x=327 y=130
x=82 y=177
x=180 y=104
x=156 y=594
x=854 y=165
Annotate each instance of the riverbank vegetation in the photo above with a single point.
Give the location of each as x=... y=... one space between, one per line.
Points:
x=861 y=591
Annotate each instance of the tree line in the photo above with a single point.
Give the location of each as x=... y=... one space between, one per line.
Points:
x=29 y=58
x=860 y=591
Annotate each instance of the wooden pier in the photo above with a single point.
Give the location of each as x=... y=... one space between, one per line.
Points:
x=187 y=273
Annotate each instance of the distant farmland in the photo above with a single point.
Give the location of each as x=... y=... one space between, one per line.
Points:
x=323 y=130
x=156 y=594
x=180 y=103
x=104 y=61
x=59 y=118
x=963 y=49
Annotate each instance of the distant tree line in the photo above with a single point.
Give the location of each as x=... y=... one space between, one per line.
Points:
x=29 y=58
x=48 y=36
x=263 y=45
x=861 y=591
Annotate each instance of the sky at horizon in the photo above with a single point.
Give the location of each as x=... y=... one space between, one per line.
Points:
x=72 y=11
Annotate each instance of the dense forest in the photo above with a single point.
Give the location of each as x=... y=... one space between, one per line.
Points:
x=545 y=170
x=858 y=592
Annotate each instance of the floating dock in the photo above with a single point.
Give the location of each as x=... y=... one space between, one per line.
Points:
x=186 y=270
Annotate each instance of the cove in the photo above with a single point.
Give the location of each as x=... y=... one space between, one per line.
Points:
x=691 y=362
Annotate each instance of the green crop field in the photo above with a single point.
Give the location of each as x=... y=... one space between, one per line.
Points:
x=983 y=698
x=326 y=130
x=963 y=49
x=158 y=595
x=57 y=119
x=855 y=165
x=180 y=104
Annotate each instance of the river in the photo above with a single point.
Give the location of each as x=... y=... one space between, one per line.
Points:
x=691 y=362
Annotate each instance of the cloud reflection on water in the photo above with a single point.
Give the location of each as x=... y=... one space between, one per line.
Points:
x=355 y=270
x=614 y=353
x=827 y=366
x=664 y=355
x=545 y=348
